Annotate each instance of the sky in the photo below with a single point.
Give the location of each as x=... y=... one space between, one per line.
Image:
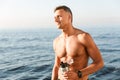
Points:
x=23 y=14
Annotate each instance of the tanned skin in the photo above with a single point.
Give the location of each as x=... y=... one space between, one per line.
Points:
x=74 y=44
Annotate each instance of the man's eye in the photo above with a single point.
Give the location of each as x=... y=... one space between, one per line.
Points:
x=58 y=16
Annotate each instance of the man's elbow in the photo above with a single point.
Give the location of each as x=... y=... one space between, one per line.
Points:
x=101 y=64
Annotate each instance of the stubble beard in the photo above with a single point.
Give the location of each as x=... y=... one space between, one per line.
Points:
x=59 y=26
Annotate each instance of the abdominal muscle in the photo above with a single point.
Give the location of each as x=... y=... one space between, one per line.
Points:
x=75 y=66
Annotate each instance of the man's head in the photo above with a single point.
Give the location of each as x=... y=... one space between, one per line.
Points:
x=65 y=8
x=63 y=16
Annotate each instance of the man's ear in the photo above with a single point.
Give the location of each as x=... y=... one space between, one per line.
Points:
x=70 y=17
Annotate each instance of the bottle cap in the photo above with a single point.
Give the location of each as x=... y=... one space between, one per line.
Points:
x=63 y=65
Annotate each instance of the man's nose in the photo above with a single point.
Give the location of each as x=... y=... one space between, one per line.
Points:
x=56 y=19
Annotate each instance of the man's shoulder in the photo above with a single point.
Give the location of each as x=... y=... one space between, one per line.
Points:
x=82 y=33
x=57 y=38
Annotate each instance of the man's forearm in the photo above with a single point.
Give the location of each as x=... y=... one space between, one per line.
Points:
x=92 y=68
x=55 y=74
x=54 y=77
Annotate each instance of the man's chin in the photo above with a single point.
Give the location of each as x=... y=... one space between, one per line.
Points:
x=59 y=27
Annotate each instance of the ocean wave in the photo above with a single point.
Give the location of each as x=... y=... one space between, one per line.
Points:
x=4 y=39
x=28 y=39
x=110 y=50
x=40 y=68
x=29 y=78
x=32 y=47
x=106 y=73
x=115 y=60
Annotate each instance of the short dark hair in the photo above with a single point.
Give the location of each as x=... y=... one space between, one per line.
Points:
x=67 y=9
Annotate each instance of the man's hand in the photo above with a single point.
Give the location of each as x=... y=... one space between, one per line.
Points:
x=69 y=75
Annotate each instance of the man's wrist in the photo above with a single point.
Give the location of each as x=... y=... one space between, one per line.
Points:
x=79 y=74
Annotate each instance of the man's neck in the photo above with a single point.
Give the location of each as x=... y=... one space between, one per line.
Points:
x=69 y=31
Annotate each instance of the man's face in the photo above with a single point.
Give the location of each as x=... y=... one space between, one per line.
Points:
x=61 y=18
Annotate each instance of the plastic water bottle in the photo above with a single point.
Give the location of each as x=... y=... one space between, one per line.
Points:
x=64 y=67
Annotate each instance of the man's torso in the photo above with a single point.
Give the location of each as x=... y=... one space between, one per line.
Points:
x=71 y=48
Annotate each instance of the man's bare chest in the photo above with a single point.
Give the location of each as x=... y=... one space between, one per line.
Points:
x=67 y=47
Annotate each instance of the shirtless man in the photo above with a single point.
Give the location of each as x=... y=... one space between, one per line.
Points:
x=76 y=45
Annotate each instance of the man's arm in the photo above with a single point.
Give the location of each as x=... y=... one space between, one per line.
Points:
x=56 y=63
x=94 y=53
x=55 y=69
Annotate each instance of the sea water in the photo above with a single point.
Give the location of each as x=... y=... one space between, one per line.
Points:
x=29 y=55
